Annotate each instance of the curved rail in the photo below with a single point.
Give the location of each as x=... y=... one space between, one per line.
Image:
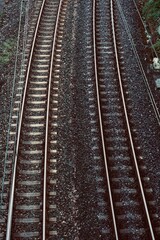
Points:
x=47 y=123
x=11 y=200
x=101 y=123
x=128 y=126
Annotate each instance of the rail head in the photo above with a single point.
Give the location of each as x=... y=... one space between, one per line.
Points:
x=128 y=125
x=101 y=123
x=47 y=120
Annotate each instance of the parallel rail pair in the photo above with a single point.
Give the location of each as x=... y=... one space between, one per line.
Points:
x=36 y=109
x=131 y=157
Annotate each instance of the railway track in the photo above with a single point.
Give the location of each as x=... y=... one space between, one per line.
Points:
x=126 y=206
x=129 y=192
x=31 y=210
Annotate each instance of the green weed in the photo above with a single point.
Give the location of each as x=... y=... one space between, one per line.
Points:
x=6 y=51
x=157 y=46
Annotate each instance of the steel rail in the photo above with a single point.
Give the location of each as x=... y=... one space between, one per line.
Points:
x=47 y=121
x=12 y=191
x=101 y=123
x=128 y=125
